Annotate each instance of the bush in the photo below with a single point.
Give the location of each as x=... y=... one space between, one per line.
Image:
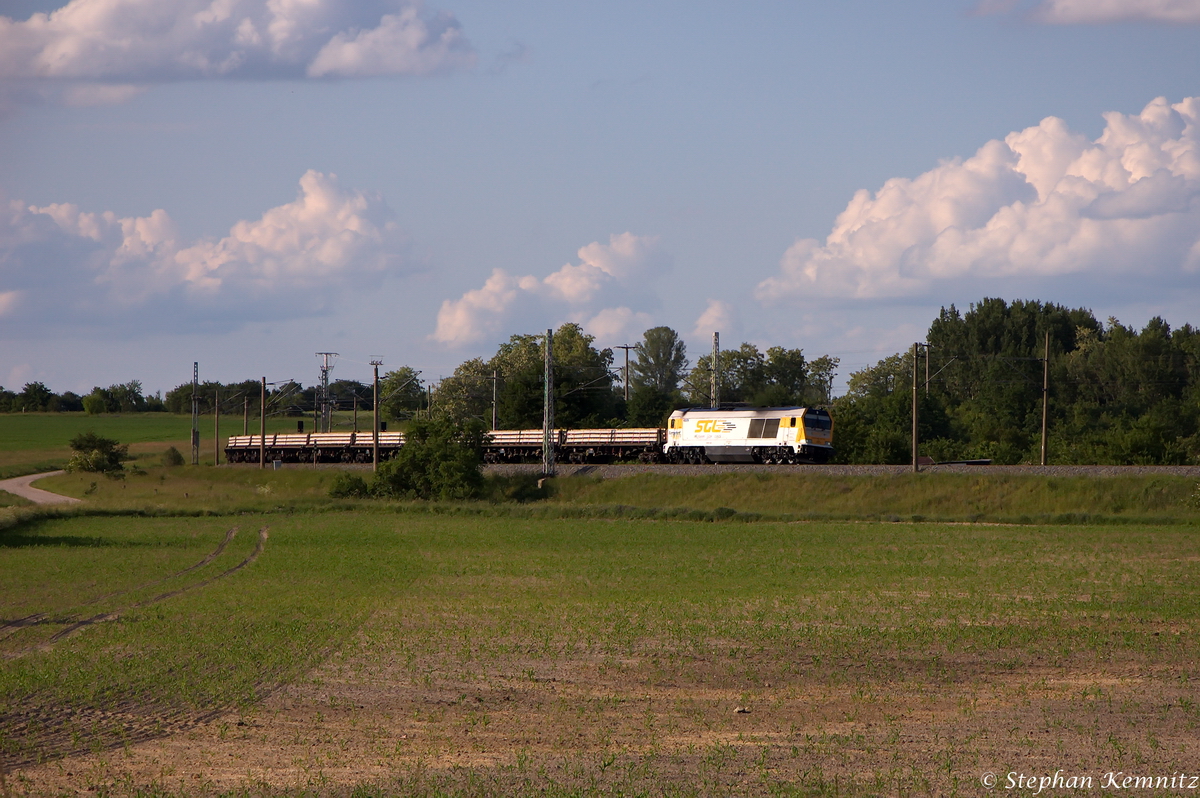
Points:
x=349 y=486
x=171 y=457
x=518 y=488
x=98 y=454
x=439 y=460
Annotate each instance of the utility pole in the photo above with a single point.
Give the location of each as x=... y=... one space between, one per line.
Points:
x=626 y=347
x=217 y=427
x=915 y=467
x=355 y=410
x=375 y=364
x=1045 y=394
x=326 y=367
x=246 y=414
x=262 y=427
x=548 y=409
x=195 y=413
x=715 y=378
x=495 y=394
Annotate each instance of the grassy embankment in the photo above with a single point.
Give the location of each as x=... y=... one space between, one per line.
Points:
x=591 y=657
x=747 y=497
x=949 y=497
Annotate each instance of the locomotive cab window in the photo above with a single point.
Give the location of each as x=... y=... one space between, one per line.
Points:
x=818 y=421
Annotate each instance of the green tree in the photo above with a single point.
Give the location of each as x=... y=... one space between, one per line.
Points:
x=441 y=459
x=34 y=397
x=873 y=421
x=583 y=382
x=93 y=452
x=649 y=406
x=821 y=373
x=780 y=378
x=661 y=361
x=466 y=394
x=401 y=393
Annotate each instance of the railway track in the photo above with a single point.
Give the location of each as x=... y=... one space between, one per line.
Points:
x=615 y=471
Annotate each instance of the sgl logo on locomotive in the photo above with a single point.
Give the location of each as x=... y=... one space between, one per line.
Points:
x=714 y=425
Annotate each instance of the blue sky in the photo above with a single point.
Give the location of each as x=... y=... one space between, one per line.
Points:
x=418 y=182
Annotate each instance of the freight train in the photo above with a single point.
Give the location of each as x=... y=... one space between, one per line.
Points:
x=729 y=434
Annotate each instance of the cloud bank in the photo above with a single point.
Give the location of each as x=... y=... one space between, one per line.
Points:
x=1085 y=12
x=607 y=292
x=61 y=267
x=104 y=50
x=1045 y=203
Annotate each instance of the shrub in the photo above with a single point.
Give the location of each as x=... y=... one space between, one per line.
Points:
x=171 y=457
x=96 y=453
x=439 y=460
x=349 y=486
x=519 y=488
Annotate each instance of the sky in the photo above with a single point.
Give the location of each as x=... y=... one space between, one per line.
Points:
x=245 y=183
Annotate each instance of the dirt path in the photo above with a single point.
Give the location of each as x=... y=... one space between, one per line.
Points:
x=23 y=487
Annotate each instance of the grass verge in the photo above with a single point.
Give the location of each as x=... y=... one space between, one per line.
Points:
x=946 y=497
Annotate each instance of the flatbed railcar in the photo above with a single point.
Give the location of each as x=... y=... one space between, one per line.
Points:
x=501 y=446
x=730 y=434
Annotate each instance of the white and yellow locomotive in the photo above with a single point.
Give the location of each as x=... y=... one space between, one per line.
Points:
x=733 y=434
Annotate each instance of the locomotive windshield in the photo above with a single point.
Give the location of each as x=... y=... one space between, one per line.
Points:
x=819 y=420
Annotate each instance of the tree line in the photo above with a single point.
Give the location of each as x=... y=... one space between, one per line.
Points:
x=1116 y=394
x=35 y=397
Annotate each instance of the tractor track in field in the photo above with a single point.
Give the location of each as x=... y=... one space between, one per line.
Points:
x=9 y=627
x=112 y=616
x=51 y=732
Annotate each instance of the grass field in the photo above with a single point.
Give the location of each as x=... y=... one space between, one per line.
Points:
x=234 y=632
x=420 y=654
x=34 y=442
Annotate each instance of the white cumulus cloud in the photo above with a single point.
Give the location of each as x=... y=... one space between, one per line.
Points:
x=719 y=316
x=1045 y=203
x=606 y=292
x=105 y=50
x=1084 y=12
x=61 y=266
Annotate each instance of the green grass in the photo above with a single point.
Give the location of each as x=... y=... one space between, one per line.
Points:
x=705 y=584
x=34 y=442
x=886 y=603
x=220 y=646
x=9 y=500
x=977 y=497
x=200 y=489
x=783 y=497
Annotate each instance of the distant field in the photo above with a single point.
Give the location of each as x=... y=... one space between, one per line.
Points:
x=33 y=442
x=427 y=654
